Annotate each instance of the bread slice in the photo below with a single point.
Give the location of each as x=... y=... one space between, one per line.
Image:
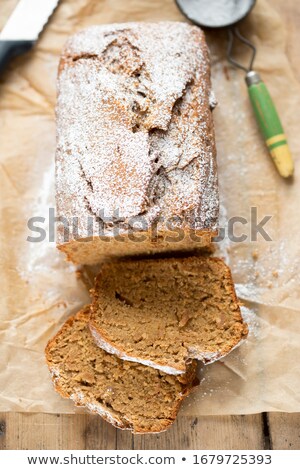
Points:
x=128 y=395
x=163 y=312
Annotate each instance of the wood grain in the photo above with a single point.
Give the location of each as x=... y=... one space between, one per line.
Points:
x=209 y=432
x=42 y=431
x=48 y=431
x=284 y=430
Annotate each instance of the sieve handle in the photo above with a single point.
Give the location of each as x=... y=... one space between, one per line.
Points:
x=269 y=123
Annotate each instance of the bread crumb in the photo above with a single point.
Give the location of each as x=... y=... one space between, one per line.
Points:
x=103 y=384
x=188 y=306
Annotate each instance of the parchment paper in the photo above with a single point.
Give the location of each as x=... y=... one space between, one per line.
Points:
x=39 y=290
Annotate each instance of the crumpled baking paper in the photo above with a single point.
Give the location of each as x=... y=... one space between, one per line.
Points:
x=39 y=290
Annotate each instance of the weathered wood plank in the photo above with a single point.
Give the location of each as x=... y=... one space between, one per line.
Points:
x=284 y=430
x=208 y=432
x=48 y=431
x=42 y=431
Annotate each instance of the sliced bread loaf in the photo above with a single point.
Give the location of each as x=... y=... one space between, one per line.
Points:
x=164 y=312
x=128 y=395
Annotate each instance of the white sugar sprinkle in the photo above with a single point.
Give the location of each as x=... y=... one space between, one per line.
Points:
x=134 y=126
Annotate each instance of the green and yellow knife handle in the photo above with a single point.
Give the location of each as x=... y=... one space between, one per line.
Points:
x=270 y=124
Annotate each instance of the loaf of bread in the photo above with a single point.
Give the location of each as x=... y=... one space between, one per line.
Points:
x=128 y=395
x=135 y=159
x=165 y=312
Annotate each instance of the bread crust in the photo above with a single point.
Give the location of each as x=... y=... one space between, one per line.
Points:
x=135 y=135
x=107 y=413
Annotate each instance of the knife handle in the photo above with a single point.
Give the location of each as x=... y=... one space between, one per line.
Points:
x=9 y=49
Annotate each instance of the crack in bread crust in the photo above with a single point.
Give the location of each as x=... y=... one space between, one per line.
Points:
x=135 y=136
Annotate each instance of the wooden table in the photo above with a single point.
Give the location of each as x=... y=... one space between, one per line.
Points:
x=261 y=431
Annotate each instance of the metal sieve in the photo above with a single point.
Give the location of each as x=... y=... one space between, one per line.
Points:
x=226 y=14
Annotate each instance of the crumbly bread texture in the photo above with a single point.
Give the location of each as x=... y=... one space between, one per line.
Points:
x=128 y=395
x=164 y=312
x=135 y=142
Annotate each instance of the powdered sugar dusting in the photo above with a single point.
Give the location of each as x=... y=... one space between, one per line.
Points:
x=134 y=126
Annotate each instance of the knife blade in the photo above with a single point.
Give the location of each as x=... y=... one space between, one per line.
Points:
x=23 y=27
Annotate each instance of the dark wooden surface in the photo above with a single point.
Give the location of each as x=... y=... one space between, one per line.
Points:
x=261 y=431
